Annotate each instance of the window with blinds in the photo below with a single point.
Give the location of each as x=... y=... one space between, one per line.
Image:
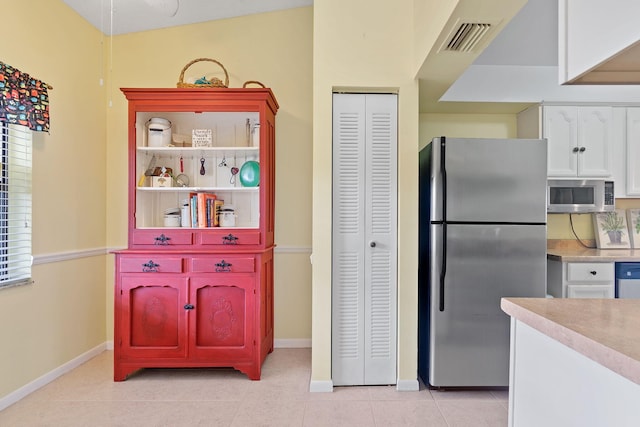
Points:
x=15 y=205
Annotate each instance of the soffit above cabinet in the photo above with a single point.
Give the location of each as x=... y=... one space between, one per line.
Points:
x=521 y=66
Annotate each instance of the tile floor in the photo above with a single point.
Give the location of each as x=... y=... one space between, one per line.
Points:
x=88 y=397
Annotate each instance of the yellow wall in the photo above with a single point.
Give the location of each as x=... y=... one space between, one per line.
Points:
x=559 y=225
x=429 y=18
x=466 y=126
x=359 y=46
x=273 y=48
x=62 y=314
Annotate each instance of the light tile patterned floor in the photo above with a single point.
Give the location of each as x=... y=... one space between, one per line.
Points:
x=88 y=397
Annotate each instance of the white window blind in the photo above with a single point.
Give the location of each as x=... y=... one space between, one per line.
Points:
x=15 y=205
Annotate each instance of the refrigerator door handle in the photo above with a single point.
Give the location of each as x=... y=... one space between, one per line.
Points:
x=443 y=181
x=443 y=268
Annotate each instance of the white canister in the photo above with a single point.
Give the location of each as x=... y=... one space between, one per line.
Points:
x=227 y=217
x=158 y=132
x=185 y=214
x=172 y=220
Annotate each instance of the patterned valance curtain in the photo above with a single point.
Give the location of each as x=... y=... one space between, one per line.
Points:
x=23 y=99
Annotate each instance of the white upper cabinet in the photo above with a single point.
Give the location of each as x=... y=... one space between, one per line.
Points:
x=598 y=41
x=579 y=138
x=633 y=152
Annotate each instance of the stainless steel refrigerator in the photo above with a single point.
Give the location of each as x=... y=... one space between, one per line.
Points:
x=482 y=237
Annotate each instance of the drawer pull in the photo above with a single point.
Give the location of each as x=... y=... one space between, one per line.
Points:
x=223 y=267
x=189 y=307
x=150 y=267
x=162 y=240
x=593 y=272
x=229 y=239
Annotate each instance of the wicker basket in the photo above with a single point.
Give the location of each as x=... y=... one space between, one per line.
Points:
x=214 y=82
x=255 y=82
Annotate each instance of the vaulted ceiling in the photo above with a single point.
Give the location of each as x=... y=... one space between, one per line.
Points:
x=515 y=66
x=128 y=16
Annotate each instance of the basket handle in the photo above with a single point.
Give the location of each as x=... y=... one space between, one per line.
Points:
x=248 y=82
x=226 y=75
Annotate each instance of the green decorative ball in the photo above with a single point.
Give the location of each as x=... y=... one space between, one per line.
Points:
x=250 y=174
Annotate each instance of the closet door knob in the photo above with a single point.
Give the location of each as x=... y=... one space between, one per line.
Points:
x=372 y=244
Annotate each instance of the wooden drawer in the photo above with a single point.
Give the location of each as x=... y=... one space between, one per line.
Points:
x=150 y=264
x=162 y=238
x=229 y=237
x=223 y=264
x=590 y=271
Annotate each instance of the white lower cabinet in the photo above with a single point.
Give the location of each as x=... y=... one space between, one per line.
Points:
x=580 y=279
x=553 y=385
x=633 y=152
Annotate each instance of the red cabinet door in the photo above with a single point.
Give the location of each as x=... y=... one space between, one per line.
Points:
x=154 y=315
x=221 y=326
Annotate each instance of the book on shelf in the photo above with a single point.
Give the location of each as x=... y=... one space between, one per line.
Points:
x=203 y=208
x=217 y=204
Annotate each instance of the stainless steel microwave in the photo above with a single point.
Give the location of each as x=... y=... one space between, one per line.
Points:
x=579 y=195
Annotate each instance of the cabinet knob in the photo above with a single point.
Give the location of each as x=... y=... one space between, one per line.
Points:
x=189 y=306
x=372 y=244
x=162 y=240
x=223 y=267
x=593 y=272
x=229 y=239
x=575 y=149
x=150 y=267
x=583 y=149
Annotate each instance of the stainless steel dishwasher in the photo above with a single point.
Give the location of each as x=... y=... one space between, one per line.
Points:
x=628 y=280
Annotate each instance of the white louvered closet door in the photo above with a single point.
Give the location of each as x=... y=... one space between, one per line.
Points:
x=364 y=239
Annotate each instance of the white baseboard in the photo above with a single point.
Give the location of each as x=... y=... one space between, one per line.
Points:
x=109 y=345
x=321 y=386
x=407 y=385
x=292 y=343
x=45 y=379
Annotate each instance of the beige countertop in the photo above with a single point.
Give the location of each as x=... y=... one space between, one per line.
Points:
x=572 y=251
x=604 y=330
x=594 y=255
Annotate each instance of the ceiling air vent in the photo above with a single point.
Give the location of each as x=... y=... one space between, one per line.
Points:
x=467 y=37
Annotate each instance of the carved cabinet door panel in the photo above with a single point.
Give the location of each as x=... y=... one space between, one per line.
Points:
x=221 y=325
x=154 y=315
